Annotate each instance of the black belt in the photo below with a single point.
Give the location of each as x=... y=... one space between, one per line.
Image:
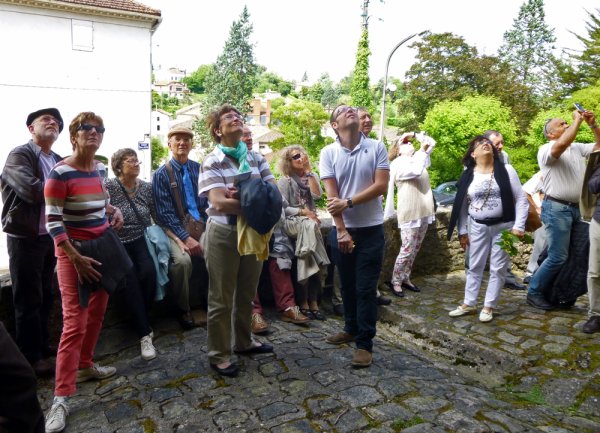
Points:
x=488 y=222
x=557 y=200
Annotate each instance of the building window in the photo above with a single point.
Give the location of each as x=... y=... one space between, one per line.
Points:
x=158 y=127
x=158 y=119
x=82 y=35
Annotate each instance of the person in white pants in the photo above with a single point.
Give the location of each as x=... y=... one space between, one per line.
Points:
x=490 y=198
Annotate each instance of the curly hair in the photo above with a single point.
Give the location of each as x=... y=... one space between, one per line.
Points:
x=468 y=160
x=81 y=118
x=117 y=159
x=213 y=119
x=284 y=164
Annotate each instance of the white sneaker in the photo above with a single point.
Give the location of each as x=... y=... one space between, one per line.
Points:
x=57 y=417
x=95 y=372
x=461 y=311
x=486 y=316
x=148 y=350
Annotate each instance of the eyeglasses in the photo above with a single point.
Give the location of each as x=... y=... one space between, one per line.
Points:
x=88 y=127
x=48 y=118
x=343 y=109
x=132 y=161
x=297 y=156
x=231 y=116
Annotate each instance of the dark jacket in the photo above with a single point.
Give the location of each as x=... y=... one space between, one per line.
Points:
x=22 y=186
x=594 y=188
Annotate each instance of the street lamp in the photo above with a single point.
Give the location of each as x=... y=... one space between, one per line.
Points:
x=385 y=80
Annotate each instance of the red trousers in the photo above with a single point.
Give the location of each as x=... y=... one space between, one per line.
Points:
x=81 y=327
x=283 y=288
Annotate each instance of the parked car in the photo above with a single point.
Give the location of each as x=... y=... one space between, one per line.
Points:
x=445 y=192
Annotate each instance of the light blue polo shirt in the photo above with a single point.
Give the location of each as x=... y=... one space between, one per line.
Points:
x=354 y=171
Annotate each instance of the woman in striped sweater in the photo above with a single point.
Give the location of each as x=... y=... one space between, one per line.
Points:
x=76 y=210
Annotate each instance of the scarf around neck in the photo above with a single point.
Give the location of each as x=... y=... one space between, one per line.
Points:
x=239 y=154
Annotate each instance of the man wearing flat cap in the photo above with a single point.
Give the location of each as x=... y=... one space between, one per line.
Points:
x=30 y=247
x=178 y=178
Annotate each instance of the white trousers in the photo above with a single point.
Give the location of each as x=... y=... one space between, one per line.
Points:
x=593 y=276
x=483 y=240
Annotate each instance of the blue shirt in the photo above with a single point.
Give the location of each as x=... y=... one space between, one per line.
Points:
x=166 y=207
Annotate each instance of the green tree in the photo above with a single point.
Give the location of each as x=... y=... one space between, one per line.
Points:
x=527 y=47
x=588 y=60
x=164 y=102
x=270 y=81
x=158 y=152
x=234 y=74
x=300 y=122
x=360 y=91
x=196 y=80
x=454 y=123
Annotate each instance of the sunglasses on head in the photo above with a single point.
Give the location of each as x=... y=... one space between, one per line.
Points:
x=296 y=156
x=87 y=128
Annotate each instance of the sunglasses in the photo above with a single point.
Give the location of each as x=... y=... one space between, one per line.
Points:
x=87 y=128
x=297 y=156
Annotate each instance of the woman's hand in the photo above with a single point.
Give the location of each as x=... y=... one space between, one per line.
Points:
x=84 y=266
x=464 y=241
x=306 y=165
x=345 y=242
x=310 y=214
x=117 y=219
x=232 y=192
x=518 y=233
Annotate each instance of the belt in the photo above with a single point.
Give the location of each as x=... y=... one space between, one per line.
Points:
x=488 y=222
x=557 y=200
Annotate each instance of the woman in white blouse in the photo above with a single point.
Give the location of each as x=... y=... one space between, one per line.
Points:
x=489 y=200
x=415 y=211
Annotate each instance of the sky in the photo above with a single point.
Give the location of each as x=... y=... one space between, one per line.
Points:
x=291 y=37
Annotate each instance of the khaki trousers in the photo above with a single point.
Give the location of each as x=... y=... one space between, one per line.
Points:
x=232 y=283
x=593 y=276
x=180 y=272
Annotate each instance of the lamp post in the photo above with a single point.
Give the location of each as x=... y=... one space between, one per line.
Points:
x=385 y=80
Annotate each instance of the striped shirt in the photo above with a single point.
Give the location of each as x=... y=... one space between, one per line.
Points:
x=75 y=203
x=166 y=207
x=220 y=171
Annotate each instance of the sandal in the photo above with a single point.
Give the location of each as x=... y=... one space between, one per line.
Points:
x=397 y=290
x=318 y=315
x=308 y=313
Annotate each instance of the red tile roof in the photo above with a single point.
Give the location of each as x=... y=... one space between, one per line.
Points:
x=121 y=5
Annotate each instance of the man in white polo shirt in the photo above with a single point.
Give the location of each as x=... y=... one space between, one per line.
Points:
x=355 y=172
x=562 y=163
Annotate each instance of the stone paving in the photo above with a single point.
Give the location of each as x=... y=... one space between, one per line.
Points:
x=526 y=371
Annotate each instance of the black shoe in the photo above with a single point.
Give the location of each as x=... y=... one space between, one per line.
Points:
x=44 y=368
x=410 y=287
x=592 y=325
x=263 y=348
x=514 y=286
x=230 y=371
x=186 y=320
x=539 y=302
x=383 y=300
x=338 y=309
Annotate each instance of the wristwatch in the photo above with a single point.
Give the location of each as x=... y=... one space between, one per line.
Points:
x=349 y=202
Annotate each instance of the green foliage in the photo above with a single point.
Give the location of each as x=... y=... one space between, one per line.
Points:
x=402 y=424
x=270 y=81
x=528 y=48
x=234 y=74
x=196 y=81
x=158 y=152
x=454 y=123
x=509 y=242
x=360 y=91
x=524 y=160
x=300 y=122
x=588 y=60
x=164 y=102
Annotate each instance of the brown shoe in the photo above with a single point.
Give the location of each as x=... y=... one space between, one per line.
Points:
x=44 y=368
x=293 y=315
x=362 y=358
x=340 y=338
x=259 y=324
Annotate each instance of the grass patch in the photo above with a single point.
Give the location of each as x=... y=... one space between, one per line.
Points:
x=149 y=426
x=401 y=424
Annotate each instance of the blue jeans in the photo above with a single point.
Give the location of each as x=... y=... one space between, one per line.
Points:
x=359 y=274
x=558 y=219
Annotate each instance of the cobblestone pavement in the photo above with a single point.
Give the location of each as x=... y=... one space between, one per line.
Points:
x=526 y=371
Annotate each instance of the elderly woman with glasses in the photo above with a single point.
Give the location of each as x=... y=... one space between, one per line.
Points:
x=77 y=208
x=233 y=278
x=134 y=197
x=300 y=187
x=489 y=200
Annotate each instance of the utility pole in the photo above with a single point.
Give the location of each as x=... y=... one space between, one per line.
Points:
x=365 y=15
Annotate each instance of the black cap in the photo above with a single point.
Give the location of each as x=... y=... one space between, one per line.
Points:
x=52 y=111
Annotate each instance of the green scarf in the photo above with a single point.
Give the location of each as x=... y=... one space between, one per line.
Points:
x=239 y=153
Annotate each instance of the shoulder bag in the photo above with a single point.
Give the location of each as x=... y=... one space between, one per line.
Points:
x=193 y=227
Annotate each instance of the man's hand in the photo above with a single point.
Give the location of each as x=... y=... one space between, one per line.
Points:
x=193 y=247
x=336 y=205
x=232 y=192
x=117 y=220
x=464 y=241
x=589 y=117
x=345 y=242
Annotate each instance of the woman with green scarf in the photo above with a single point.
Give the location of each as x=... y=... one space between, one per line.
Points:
x=233 y=278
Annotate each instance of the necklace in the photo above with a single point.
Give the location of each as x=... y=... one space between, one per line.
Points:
x=487 y=193
x=131 y=190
